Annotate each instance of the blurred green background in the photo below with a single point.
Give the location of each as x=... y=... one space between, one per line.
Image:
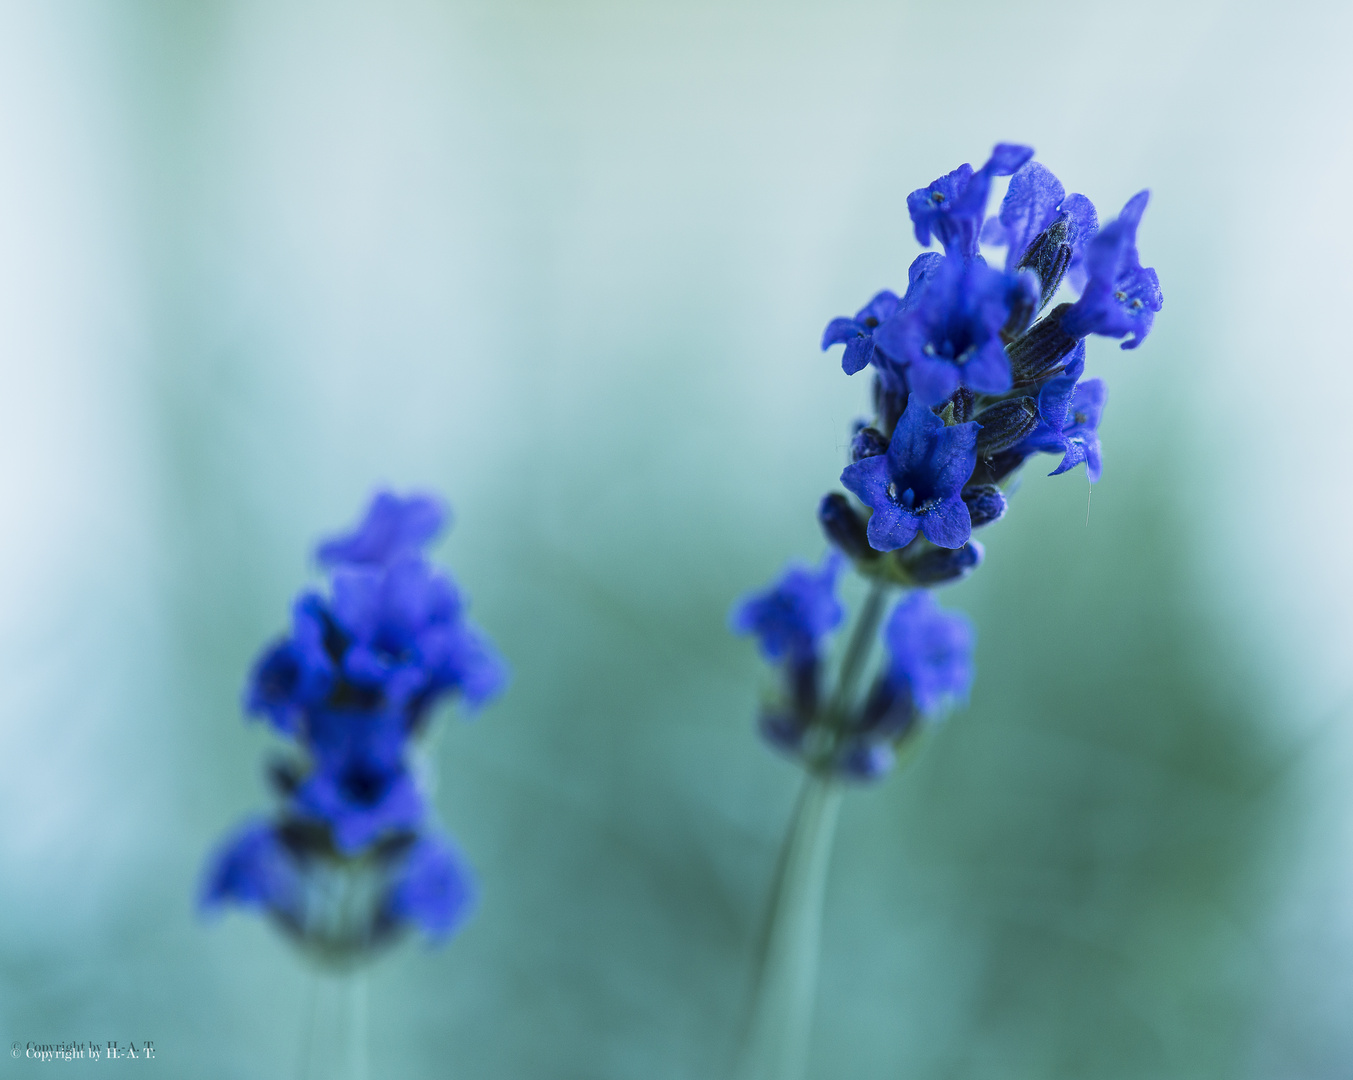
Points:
x=567 y=264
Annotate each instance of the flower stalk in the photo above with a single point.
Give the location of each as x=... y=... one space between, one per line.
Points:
x=775 y=1038
x=334 y=1045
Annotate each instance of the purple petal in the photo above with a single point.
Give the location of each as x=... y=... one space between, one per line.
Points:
x=931 y=380
x=1054 y=401
x=1093 y=465
x=1088 y=401
x=1030 y=206
x=948 y=525
x=857 y=352
x=913 y=439
x=1074 y=455
x=891 y=527
x=988 y=371
x=433 y=889
x=1082 y=218
x=839 y=330
x=1006 y=158
x=392 y=526
x=880 y=307
x=953 y=457
x=868 y=479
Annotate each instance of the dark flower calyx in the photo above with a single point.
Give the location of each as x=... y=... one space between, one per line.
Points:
x=999 y=467
x=1040 y=352
x=784 y=731
x=868 y=442
x=930 y=565
x=285 y=776
x=802 y=674
x=889 y=404
x=844 y=527
x=1049 y=256
x=1005 y=424
x=1025 y=299
x=888 y=711
x=986 y=503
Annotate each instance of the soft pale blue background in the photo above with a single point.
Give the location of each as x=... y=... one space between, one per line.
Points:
x=567 y=264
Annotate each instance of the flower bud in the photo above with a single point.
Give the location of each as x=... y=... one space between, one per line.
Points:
x=888 y=711
x=889 y=403
x=844 y=527
x=1024 y=300
x=1005 y=424
x=1040 y=352
x=868 y=442
x=940 y=566
x=802 y=676
x=285 y=775
x=997 y=468
x=1049 y=255
x=783 y=731
x=986 y=503
x=962 y=403
x=866 y=760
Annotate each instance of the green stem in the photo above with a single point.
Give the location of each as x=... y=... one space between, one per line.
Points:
x=775 y=1036
x=357 y=1015
x=775 y=1039
x=335 y=1044
x=858 y=648
x=309 y=1026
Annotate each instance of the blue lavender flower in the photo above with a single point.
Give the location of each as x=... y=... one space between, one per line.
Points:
x=951 y=336
x=929 y=653
x=352 y=685
x=432 y=888
x=393 y=636
x=953 y=207
x=858 y=333
x=1121 y=296
x=359 y=788
x=405 y=637
x=297 y=673
x=252 y=869
x=392 y=526
x=917 y=484
x=792 y=618
x=1070 y=412
x=1034 y=201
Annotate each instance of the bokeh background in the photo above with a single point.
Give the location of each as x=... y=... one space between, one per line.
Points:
x=567 y=264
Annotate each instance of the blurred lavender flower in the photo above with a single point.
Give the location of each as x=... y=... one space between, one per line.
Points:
x=794 y=616
x=349 y=862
